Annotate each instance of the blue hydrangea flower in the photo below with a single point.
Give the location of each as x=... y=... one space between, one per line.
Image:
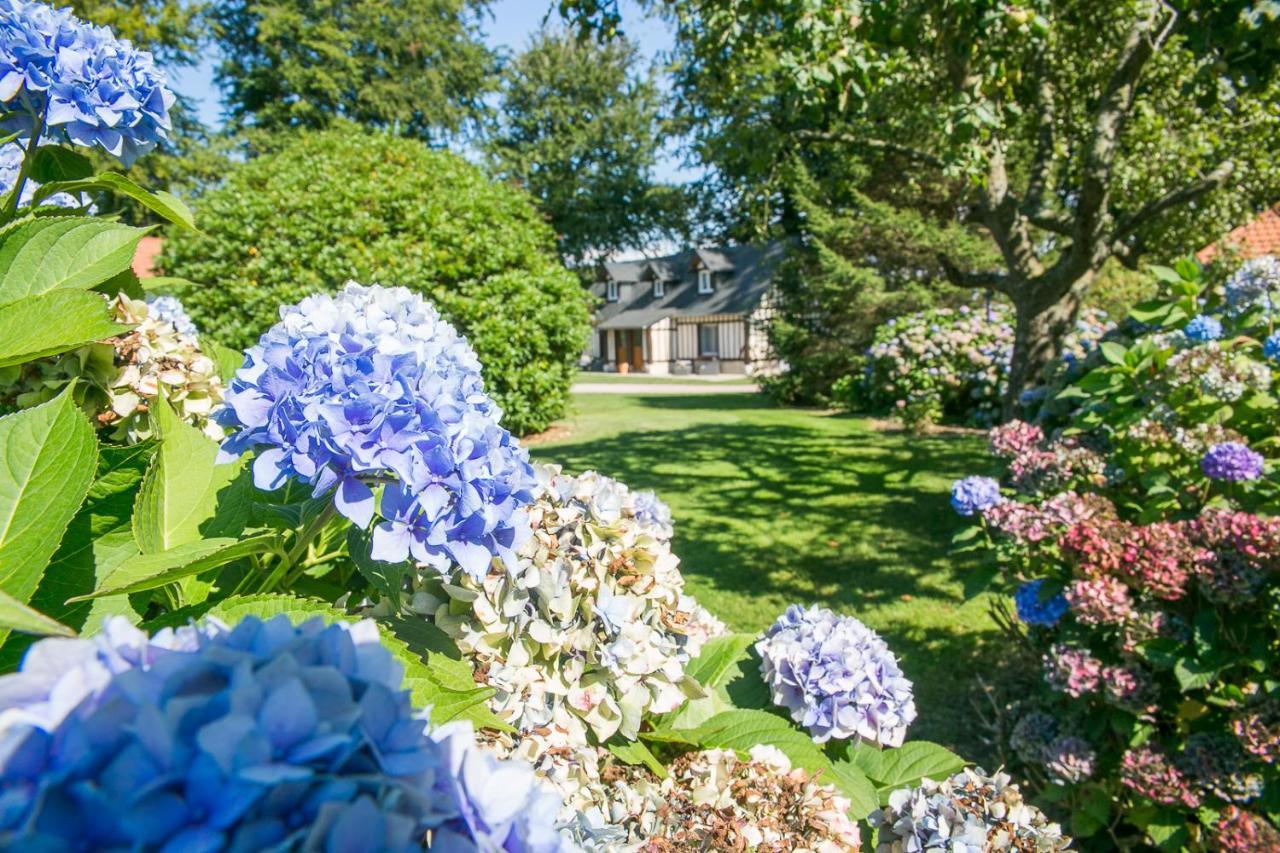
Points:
x=266 y=736
x=1233 y=462
x=1271 y=347
x=89 y=87
x=1253 y=284
x=836 y=677
x=168 y=309
x=1203 y=328
x=974 y=495
x=370 y=386
x=11 y=163
x=1034 y=610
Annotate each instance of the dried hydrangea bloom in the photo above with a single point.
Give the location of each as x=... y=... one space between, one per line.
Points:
x=119 y=379
x=1219 y=765
x=1239 y=831
x=1031 y=524
x=1258 y=730
x=714 y=800
x=1069 y=759
x=970 y=812
x=836 y=677
x=1013 y=439
x=1072 y=670
x=592 y=629
x=1149 y=773
x=1213 y=371
x=1100 y=601
x=1256 y=282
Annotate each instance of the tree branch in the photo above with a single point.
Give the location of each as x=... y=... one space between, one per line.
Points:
x=1049 y=220
x=1042 y=162
x=1175 y=198
x=983 y=280
x=875 y=144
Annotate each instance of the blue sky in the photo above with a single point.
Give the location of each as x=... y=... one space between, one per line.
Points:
x=507 y=28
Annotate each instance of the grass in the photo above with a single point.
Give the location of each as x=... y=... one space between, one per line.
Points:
x=599 y=376
x=774 y=506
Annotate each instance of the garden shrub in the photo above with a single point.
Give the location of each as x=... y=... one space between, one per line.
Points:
x=948 y=364
x=1139 y=542
x=351 y=204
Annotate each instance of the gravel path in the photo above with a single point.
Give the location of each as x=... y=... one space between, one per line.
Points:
x=661 y=388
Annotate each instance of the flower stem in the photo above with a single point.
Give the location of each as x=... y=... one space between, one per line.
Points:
x=11 y=208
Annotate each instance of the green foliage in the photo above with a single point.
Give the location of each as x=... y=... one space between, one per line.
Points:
x=347 y=204
x=413 y=67
x=1170 y=575
x=862 y=262
x=171 y=29
x=580 y=128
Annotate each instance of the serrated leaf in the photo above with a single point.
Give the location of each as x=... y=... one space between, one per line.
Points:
x=228 y=360
x=636 y=753
x=48 y=455
x=154 y=570
x=904 y=766
x=1113 y=351
x=163 y=204
x=718 y=661
x=186 y=495
x=386 y=578
x=64 y=253
x=16 y=616
x=53 y=323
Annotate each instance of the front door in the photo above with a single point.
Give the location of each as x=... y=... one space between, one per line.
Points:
x=635 y=340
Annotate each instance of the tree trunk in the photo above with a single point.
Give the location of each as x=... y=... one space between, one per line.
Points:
x=1039 y=328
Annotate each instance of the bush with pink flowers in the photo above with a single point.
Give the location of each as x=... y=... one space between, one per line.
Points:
x=1136 y=535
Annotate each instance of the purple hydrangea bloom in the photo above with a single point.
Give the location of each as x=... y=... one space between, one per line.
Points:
x=168 y=309
x=1203 y=328
x=1271 y=347
x=370 y=386
x=1233 y=462
x=1034 y=610
x=836 y=677
x=974 y=495
x=265 y=736
x=91 y=88
x=1253 y=284
x=653 y=512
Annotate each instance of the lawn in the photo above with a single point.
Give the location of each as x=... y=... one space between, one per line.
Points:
x=774 y=506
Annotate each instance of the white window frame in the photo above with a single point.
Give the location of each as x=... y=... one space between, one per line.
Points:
x=704 y=281
x=611 y=291
x=659 y=288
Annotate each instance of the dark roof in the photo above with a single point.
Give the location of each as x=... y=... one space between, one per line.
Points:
x=745 y=274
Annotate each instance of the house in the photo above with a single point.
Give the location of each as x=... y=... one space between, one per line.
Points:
x=1258 y=237
x=701 y=310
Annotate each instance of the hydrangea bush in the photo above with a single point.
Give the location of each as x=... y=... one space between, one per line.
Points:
x=1136 y=534
x=950 y=364
x=526 y=671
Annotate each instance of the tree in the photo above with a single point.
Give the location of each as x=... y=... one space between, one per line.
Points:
x=171 y=29
x=1076 y=131
x=414 y=67
x=580 y=128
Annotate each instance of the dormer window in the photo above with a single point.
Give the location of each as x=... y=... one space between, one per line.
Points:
x=611 y=291
x=704 y=281
x=659 y=288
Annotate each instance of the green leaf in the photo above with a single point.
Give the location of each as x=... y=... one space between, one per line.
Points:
x=163 y=204
x=167 y=284
x=635 y=752
x=386 y=578
x=1166 y=274
x=1113 y=352
x=16 y=616
x=53 y=323
x=55 y=163
x=186 y=495
x=151 y=571
x=905 y=766
x=1193 y=675
x=717 y=664
x=48 y=455
x=64 y=253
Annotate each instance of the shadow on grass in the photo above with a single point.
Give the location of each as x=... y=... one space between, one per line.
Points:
x=786 y=507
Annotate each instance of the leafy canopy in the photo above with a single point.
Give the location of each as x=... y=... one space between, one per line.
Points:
x=415 y=67
x=580 y=128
